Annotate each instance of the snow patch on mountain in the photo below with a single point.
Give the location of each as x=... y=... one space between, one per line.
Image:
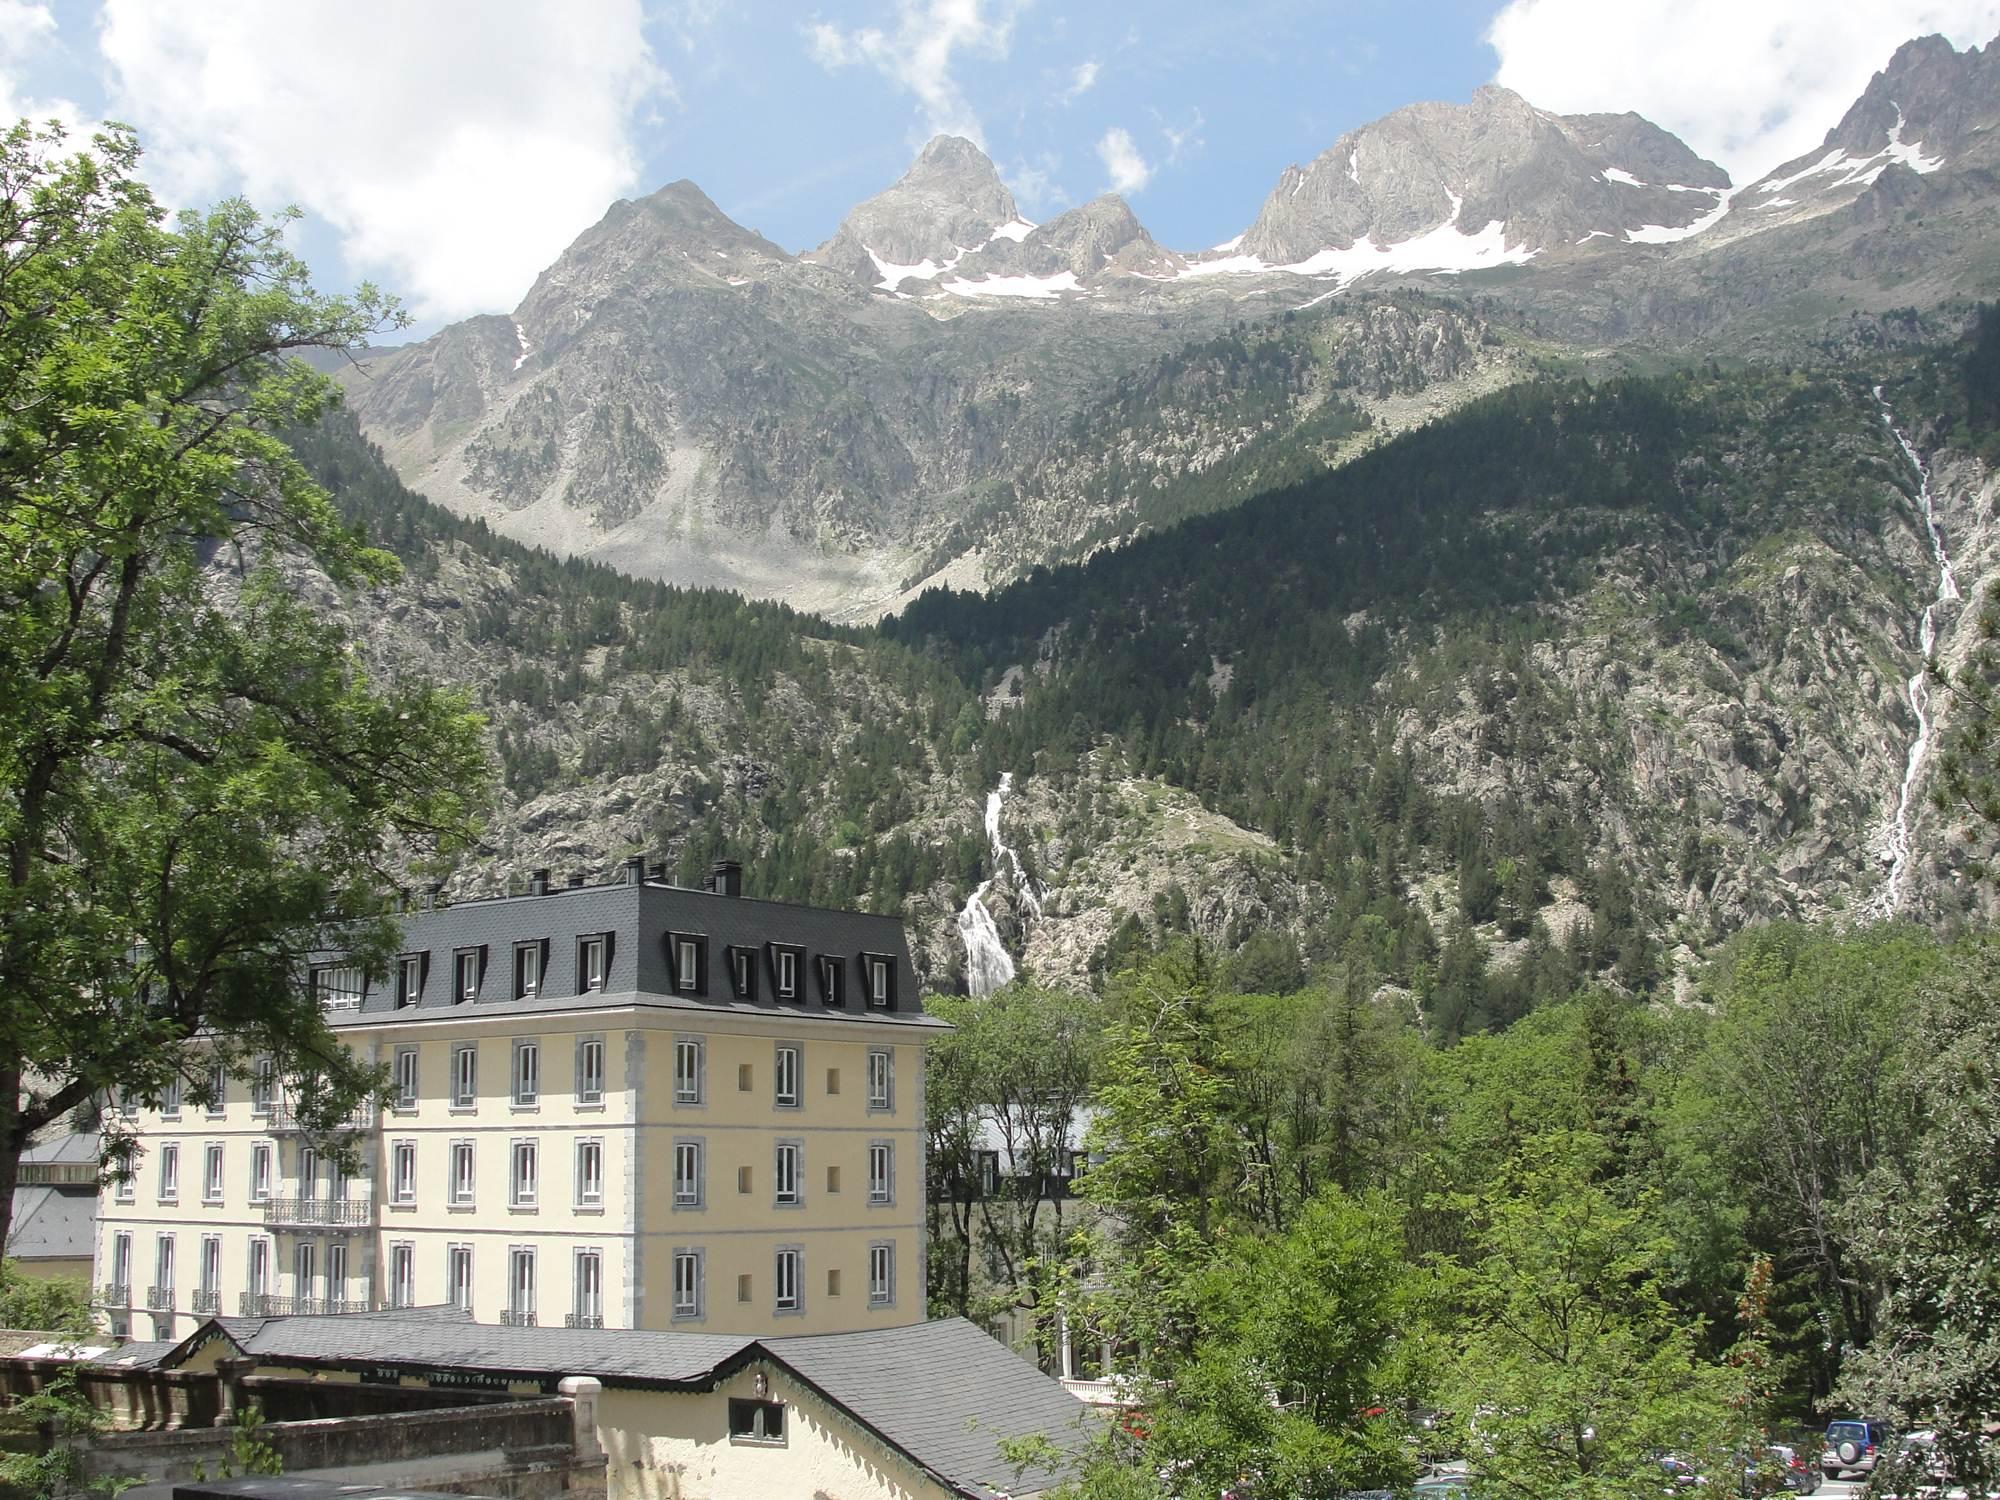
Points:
x=1669 y=234
x=1445 y=250
x=1040 y=287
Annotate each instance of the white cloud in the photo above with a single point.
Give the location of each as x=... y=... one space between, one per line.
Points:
x=455 y=150
x=28 y=32
x=918 y=54
x=1183 y=138
x=1081 y=81
x=1035 y=186
x=1121 y=158
x=1748 y=83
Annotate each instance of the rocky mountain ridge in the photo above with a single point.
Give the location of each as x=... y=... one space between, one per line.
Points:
x=684 y=400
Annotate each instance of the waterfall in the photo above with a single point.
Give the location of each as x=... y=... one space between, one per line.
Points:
x=1918 y=689
x=987 y=964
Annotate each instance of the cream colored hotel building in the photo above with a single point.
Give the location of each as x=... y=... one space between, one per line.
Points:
x=630 y=1105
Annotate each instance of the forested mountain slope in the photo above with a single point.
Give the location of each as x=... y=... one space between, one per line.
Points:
x=1576 y=680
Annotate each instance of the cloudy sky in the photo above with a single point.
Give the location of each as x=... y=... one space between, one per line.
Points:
x=449 y=149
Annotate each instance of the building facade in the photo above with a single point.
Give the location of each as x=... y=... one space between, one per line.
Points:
x=630 y=1105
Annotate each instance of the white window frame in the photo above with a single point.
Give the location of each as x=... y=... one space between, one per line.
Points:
x=409 y=980
x=402 y=1273
x=263 y=1086
x=211 y=1263
x=463 y=1185
x=465 y=1076
x=586 y=1296
x=121 y=1260
x=789 y=1161
x=218 y=1089
x=589 y=1079
x=170 y=1099
x=593 y=956
x=787 y=1067
x=257 y=1276
x=408 y=1077
x=687 y=965
x=260 y=1172
x=336 y=1271
x=881 y=1080
x=170 y=1172
x=690 y=1173
x=524 y=1172
x=690 y=1070
x=458 y=1282
x=788 y=1264
x=528 y=974
x=163 y=1265
x=590 y=1172
x=689 y=1283
x=882 y=1185
x=527 y=1075
x=465 y=976
x=403 y=1172
x=882 y=1273
x=213 y=1164
x=523 y=1279
x=785 y=981
x=880 y=989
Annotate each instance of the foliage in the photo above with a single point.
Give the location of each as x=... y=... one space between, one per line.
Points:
x=1927 y=1222
x=1576 y=1371
x=250 y=1452
x=198 y=784
x=42 y=1302
x=55 y=1426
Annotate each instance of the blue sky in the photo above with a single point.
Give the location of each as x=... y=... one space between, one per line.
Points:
x=450 y=149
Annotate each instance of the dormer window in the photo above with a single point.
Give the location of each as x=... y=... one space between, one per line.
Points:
x=832 y=979
x=743 y=973
x=467 y=968
x=530 y=962
x=879 y=971
x=786 y=964
x=410 y=978
x=337 y=986
x=593 y=962
x=687 y=963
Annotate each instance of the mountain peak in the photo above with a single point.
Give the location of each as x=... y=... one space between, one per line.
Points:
x=950 y=202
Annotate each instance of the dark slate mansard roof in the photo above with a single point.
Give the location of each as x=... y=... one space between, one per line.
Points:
x=639 y=916
x=943 y=1393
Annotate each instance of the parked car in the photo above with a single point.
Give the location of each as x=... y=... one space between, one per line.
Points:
x=1853 y=1444
x=1776 y=1470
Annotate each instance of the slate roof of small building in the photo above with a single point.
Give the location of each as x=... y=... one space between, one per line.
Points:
x=52 y=1223
x=629 y=1356
x=946 y=1394
x=138 y=1354
x=75 y=1147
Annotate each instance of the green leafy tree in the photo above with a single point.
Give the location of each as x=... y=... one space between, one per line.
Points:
x=1928 y=1223
x=199 y=785
x=45 y=1438
x=1576 y=1372
x=42 y=1302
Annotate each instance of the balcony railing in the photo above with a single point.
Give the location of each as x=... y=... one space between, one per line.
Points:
x=208 y=1301
x=513 y=1319
x=115 y=1294
x=334 y=1212
x=283 y=1118
x=159 y=1299
x=583 y=1320
x=274 y=1305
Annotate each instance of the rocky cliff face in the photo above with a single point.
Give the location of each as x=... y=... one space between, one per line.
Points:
x=683 y=400
x=1495 y=169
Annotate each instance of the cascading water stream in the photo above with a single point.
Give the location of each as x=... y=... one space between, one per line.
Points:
x=988 y=966
x=1918 y=689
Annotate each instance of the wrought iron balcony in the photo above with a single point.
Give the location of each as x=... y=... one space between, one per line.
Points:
x=513 y=1319
x=583 y=1320
x=115 y=1294
x=283 y=1118
x=275 y=1305
x=159 y=1299
x=320 y=1212
x=207 y=1301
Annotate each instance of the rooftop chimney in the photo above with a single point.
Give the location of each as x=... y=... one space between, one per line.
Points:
x=635 y=869
x=402 y=901
x=538 y=883
x=725 y=878
x=575 y=879
x=431 y=894
x=657 y=870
